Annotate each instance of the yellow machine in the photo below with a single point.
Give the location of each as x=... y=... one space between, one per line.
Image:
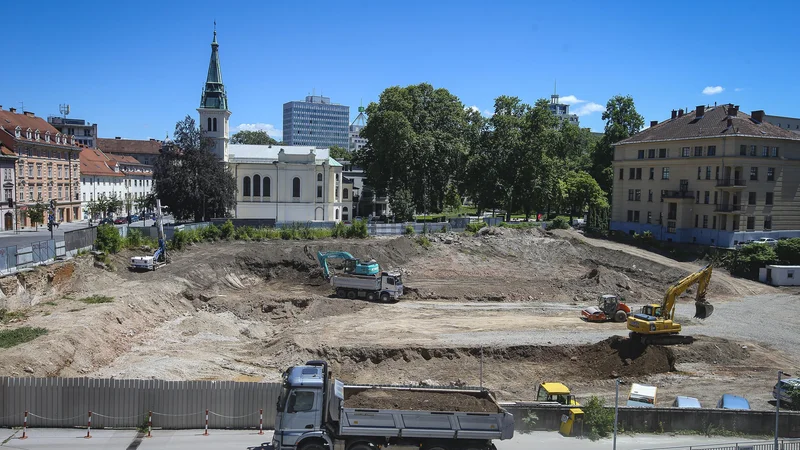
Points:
x=656 y=322
x=559 y=393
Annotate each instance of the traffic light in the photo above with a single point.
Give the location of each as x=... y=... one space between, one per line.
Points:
x=49 y=226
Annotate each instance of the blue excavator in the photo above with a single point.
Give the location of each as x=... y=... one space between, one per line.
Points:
x=352 y=265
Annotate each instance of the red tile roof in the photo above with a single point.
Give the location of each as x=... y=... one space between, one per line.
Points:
x=121 y=146
x=94 y=162
x=9 y=121
x=713 y=123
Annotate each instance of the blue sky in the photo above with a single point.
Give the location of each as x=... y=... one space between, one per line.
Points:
x=136 y=68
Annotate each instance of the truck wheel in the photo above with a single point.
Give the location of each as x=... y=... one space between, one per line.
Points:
x=620 y=316
x=313 y=446
x=385 y=298
x=361 y=447
x=351 y=295
x=341 y=293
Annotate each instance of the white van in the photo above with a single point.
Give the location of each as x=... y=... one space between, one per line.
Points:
x=642 y=396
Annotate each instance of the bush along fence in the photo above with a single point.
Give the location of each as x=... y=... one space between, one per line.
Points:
x=100 y=403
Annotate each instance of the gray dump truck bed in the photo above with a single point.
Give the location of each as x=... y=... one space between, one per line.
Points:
x=423 y=413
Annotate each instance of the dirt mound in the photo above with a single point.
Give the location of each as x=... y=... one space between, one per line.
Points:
x=710 y=350
x=419 y=400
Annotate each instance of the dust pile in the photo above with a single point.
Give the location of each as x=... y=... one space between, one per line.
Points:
x=419 y=401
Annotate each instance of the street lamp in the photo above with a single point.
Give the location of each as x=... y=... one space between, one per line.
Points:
x=778 y=404
x=616 y=411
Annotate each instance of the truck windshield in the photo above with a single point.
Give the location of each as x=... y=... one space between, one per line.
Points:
x=398 y=279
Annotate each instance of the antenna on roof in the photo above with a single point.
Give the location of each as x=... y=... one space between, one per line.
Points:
x=64 y=110
x=22 y=107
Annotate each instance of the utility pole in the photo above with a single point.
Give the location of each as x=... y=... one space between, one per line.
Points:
x=778 y=405
x=616 y=415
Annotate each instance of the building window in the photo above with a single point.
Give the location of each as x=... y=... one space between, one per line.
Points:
x=714 y=223
x=716 y=175
x=319 y=177
x=672 y=211
x=636 y=216
x=671 y=226
x=751 y=198
x=751 y=223
x=649 y=217
x=707 y=197
x=705 y=221
x=266 y=187
x=790 y=274
x=345 y=215
x=256 y=186
x=770 y=197
x=39 y=170
x=639 y=173
x=699 y=172
x=715 y=197
x=697 y=197
x=696 y=220
x=652 y=172
x=754 y=174
x=630 y=215
x=215 y=124
x=638 y=195
x=631 y=173
x=640 y=154
x=246 y=187
x=630 y=195
x=209 y=124
x=742 y=150
x=621 y=174
x=651 y=153
x=753 y=150
x=649 y=195
x=662 y=153
x=708 y=172
x=345 y=194
x=770 y=174
x=712 y=150
x=698 y=151
x=296 y=187
x=319 y=191
x=775 y=151
x=665 y=173
x=685 y=152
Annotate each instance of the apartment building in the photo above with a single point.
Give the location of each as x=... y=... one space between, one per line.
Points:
x=105 y=175
x=47 y=166
x=144 y=151
x=713 y=176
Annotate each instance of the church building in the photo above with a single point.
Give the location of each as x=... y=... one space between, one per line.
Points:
x=281 y=182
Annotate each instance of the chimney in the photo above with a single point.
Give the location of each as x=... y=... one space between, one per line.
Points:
x=730 y=122
x=29 y=114
x=680 y=113
x=758 y=116
x=674 y=114
x=653 y=123
x=700 y=111
x=12 y=110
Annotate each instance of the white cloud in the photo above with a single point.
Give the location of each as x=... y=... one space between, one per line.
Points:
x=588 y=108
x=273 y=132
x=711 y=90
x=474 y=108
x=487 y=113
x=570 y=100
x=738 y=89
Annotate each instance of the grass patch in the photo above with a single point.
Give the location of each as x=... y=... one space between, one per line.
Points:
x=50 y=303
x=96 y=299
x=521 y=225
x=68 y=297
x=10 y=338
x=424 y=242
x=75 y=309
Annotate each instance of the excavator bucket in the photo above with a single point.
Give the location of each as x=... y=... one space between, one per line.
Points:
x=703 y=310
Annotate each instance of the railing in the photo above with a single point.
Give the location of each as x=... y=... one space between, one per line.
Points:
x=727 y=208
x=731 y=182
x=677 y=194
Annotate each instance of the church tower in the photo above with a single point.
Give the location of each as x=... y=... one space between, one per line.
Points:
x=213 y=108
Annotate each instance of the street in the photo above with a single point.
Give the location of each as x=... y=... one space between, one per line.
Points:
x=69 y=439
x=23 y=238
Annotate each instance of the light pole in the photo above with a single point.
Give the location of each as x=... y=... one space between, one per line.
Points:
x=778 y=404
x=616 y=413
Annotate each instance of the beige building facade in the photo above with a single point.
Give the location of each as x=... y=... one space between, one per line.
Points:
x=714 y=176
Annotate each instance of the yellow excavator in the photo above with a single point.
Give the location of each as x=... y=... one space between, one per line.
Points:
x=655 y=324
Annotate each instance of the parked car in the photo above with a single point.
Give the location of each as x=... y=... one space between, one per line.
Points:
x=135 y=218
x=120 y=220
x=768 y=241
x=788 y=382
x=730 y=401
x=642 y=396
x=686 y=402
x=106 y=221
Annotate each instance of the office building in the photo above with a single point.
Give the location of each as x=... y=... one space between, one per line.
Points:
x=316 y=122
x=713 y=176
x=85 y=132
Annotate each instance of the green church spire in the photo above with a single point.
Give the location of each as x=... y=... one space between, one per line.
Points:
x=214 y=96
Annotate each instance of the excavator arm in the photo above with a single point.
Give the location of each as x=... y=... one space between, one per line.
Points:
x=322 y=257
x=703 y=309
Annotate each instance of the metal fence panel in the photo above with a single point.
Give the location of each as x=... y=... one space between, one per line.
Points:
x=65 y=402
x=81 y=238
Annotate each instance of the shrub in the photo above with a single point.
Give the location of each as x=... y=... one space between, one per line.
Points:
x=788 y=251
x=210 y=233
x=358 y=230
x=409 y=230
x=179 y=240
x=96 y=299
x=424 y=241
x=598 y=419
x=244 y=233
x=134 y=239
x=108 y=239
x=226 y=230
x=339 y=230
x=444 y=229
x=10 y=338
x=473 y=227
x=558 y=224
x=748 y=259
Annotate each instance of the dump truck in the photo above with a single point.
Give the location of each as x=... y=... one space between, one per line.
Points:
x=316 y=412
x=361 y=279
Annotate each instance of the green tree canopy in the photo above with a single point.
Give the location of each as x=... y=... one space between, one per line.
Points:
x=256 y=137
x=36 y=213
x=337 y=152
x=581 y=191
x=416 y=144
x=622 y=121
x=190 y=180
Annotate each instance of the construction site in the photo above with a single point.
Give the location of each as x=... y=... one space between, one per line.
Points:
x=501 y=309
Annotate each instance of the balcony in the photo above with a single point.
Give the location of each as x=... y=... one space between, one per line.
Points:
x=677 y=194
x=727 y=208
x=734 y=183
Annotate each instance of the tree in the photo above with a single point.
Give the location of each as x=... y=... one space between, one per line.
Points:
x=146 y=203
x=36 y=212
x=112 y=204
x=580 y=191
x=190 y=180
x=416 y=145
x=337 y=152
x=622 y=121
x=788 y=251
x=598 y=419
x=752 y=257
x=94 y=208
x=257 y=137
x=452 y=199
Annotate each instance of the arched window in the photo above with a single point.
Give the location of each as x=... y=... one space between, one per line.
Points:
x=256 y=186
x=345 y=215
x=209 y=124
x=319 y=177
x=337 y=214
x=345 y=193
x=215 y=124
x=296 y=187
x=266 y=187
x=246 y=187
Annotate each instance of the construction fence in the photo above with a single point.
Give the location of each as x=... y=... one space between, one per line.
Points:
x=66 y=402
x=783 y=444
x=15 y=257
